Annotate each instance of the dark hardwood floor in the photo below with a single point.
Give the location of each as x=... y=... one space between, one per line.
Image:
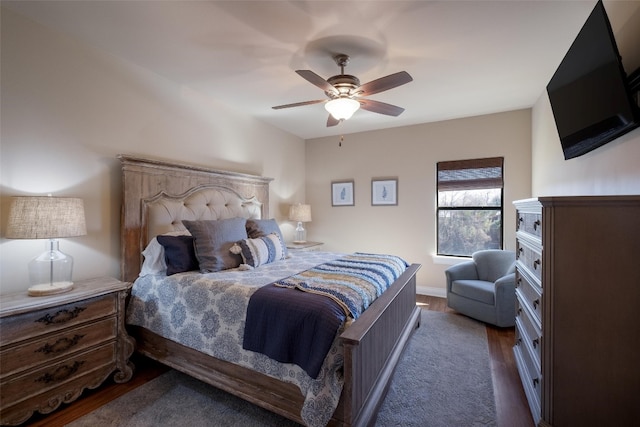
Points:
x=511 y=403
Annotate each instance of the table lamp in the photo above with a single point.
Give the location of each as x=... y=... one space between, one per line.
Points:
x=34 y=217
x=300 y=213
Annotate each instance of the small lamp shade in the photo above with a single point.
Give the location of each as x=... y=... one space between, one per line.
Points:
x=300 y=213
x=47 y=218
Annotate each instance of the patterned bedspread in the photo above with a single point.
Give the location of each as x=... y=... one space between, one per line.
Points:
x=206 y=312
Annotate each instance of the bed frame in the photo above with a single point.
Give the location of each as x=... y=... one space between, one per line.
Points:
x=373 y=344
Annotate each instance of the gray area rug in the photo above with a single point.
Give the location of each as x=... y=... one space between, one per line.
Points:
x=443 y=379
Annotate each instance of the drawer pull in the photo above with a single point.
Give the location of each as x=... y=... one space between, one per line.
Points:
x=61 y=316
x=61 y=345
x=61 y=373
x=536 y=263
x=536 y=224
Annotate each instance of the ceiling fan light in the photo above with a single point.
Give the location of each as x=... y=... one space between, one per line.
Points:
x=342 y=108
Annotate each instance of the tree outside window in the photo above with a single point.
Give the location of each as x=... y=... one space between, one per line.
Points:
x=470 y=194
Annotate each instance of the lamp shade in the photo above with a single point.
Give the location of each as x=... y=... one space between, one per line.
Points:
x=342 y=108
x=300 y=213
x=34 y=217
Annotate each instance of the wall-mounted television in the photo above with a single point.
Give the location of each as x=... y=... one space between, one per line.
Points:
x=590 y=93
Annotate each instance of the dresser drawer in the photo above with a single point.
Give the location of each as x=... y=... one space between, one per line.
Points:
x=530 y=378
x=530 y=258
x=43 y=379
x=530 y=223
x=529 y=334
x=27 y=325
x=532 y=370
x=22 y=357
x=530 y=294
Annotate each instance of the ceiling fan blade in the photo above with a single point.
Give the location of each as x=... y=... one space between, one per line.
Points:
x=380 y=107
x=299 y=104
x=315 y=79
x=332 y=121
x=384 y=83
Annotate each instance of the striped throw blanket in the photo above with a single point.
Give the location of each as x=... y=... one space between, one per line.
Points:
x=353 y=281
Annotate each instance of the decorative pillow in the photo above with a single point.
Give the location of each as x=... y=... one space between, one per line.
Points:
x=212 y=241
x=263 y=227
x=263 y=250
x=154 y=262
x=179 y=253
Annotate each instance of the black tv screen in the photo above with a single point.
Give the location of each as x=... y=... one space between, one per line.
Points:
x=589 y=93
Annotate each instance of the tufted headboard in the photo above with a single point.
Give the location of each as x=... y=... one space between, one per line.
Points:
x=158 y=195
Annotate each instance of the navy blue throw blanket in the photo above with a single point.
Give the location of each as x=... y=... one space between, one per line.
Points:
x=292 y=326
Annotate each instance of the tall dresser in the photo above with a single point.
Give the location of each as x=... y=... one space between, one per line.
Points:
x=578 y=315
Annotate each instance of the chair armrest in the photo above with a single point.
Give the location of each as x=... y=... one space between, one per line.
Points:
x=463 y=271
x=505 y=286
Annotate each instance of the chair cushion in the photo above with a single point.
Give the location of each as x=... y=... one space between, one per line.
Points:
x=477 y=290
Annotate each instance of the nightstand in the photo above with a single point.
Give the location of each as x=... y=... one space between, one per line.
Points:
x=53 y=347
x=306 y=246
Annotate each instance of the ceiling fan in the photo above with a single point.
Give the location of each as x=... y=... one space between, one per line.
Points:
x=345 y=93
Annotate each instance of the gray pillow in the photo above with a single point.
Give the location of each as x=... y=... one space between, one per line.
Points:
x=257 y=228
x=212 y=241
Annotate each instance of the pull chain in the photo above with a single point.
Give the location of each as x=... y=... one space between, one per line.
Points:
x=341 y=139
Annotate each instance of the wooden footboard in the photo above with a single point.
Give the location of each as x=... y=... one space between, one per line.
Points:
x=372 y=345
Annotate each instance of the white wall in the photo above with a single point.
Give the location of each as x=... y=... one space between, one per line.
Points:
x=69 y=109
x=410 y=154
x=611 y=169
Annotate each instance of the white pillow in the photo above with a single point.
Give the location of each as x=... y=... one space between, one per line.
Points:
x=154 y=262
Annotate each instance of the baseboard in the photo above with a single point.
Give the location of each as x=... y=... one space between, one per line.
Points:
x=431 y=291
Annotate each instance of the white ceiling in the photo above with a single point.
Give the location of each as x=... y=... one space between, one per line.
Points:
x=466 y=57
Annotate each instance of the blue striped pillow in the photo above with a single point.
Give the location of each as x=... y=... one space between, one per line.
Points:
x=262 y=250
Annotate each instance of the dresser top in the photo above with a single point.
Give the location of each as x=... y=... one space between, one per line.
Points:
x=21 y=302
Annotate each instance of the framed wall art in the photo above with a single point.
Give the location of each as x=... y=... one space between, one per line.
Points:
x=384 y=191
x=342 y=193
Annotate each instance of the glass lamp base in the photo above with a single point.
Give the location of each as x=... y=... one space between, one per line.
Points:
x=50 y=273
x=44 y=289
x=301 y=234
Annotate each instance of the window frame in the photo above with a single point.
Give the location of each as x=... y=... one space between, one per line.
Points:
x=469 y=184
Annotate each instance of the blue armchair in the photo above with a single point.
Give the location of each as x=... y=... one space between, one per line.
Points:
x=484 y=288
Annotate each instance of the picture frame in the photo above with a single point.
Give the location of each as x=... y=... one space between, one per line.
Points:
x=342 y=193
x=384 y=192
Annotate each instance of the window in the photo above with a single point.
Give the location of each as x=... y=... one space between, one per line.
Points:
x=469 y=206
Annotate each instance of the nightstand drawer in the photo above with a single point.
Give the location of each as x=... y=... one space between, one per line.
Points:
x=40 y=380
x=27 y=325
x=530 y=294
x=56 y=345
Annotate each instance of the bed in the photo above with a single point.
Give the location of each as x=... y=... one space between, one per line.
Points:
x=159 y=195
